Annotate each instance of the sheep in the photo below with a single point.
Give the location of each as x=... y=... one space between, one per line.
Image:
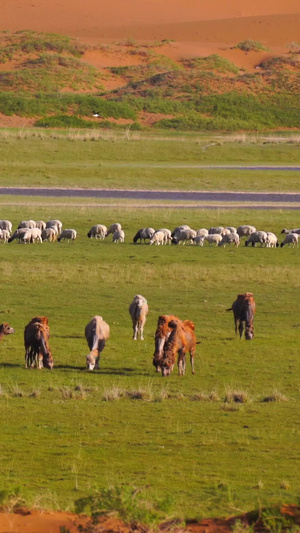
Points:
x=230 y=238
x=96 y=333
x=158 y=238
x=291 y=231
x=143 y=234
x=245 y=230
x=290 y=239
x=138 y=311
x=40 y=224
x=98 y=231
x=167 y=234
x=118 y=236
x=231 y=229
x=185 y=235
x=22 y=235
x=27 y=224
x=201 y=232
x=213 y=238
x=272 y=241
x=6 y=225
x=68 y=234
x=55 y=222
x=199 y=240
x=36 y=235
x=49 y=234
x=217 y=230
x=4 y=235
x=178 y=229
x=114 y=227
x=257 y=237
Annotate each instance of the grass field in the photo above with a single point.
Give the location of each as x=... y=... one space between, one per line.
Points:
x=132 y=160
x=68 y=432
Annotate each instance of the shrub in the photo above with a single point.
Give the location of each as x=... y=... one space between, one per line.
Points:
x=251 y=46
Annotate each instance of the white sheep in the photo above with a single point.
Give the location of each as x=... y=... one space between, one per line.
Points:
x=68 y=234
x=291 y=239
x=158 y=238
x=232 y=229
x=6 y=224
x=40 y=224
x=138 y=310
x=230 y=238
x=22 y=235
x=118 y=236
x=201 y=232
x=49 y=234
x=257 y=237
x=245 y=230
x=54 y=223
x=98 y=231
x=272 y=241
x=4 y=235
x=168 y=235
x=199 y=240
x=213 y=238
x=216 y=230
x=178 y=229
x=36 y=235
x=114 y=227
x=27 y=224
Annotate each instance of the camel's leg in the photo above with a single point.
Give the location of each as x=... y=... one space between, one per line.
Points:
x=192 y=357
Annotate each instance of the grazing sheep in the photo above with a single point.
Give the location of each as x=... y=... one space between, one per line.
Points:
x=27 y=224
x=199 y=240
x=291 y=231
x=213 y=238
x=158 y=238
x=178 y=229
x=54 y=223
x=231 y=229
x=4 y=235
x=35 y=235
x=245 y=230
x=167 y=234
x=7 y=225
x=230 y=238
x=118 y=236
x=114 y=227
x=96 y=333
x=23 y=235
x=291 y=239
x=143 y=234
x=217 y=230
x=98 y=231
x=272 y=241
x=49 y=234
x=184 y=235
x=40 y=224
x=5 y=329
x=257 y=237
x=138 y=310
x=68 y=234
x=201 y=232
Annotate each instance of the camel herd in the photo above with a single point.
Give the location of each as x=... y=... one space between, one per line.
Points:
x=174 y=338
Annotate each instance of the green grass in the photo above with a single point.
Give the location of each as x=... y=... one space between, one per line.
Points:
x=68 y=432
x=133 y=160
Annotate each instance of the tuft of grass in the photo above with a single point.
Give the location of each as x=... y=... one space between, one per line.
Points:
x=277 y=396
x=249 y=45
x=144 y=393
x=112 y=394
x=236 y=396
x=16 y=392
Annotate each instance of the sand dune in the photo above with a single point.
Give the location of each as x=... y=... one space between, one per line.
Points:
x=272 y=21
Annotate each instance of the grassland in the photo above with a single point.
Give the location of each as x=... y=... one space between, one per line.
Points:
x=134 y=160
x=69 y=432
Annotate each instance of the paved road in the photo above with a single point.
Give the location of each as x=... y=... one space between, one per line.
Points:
x=286 y=199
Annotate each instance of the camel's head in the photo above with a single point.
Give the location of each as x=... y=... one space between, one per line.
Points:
x=6 y=329
x=48 y=361
x=249 y=332
x=90 y=361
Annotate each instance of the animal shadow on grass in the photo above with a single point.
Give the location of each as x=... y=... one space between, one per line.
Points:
x=10 y=365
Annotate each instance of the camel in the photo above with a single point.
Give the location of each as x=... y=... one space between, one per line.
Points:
x=181 y=340
x=243 y=311
x=138 y=310
x=37 y=350
x=162 y=333
x=96 y=333
x=5 y=329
